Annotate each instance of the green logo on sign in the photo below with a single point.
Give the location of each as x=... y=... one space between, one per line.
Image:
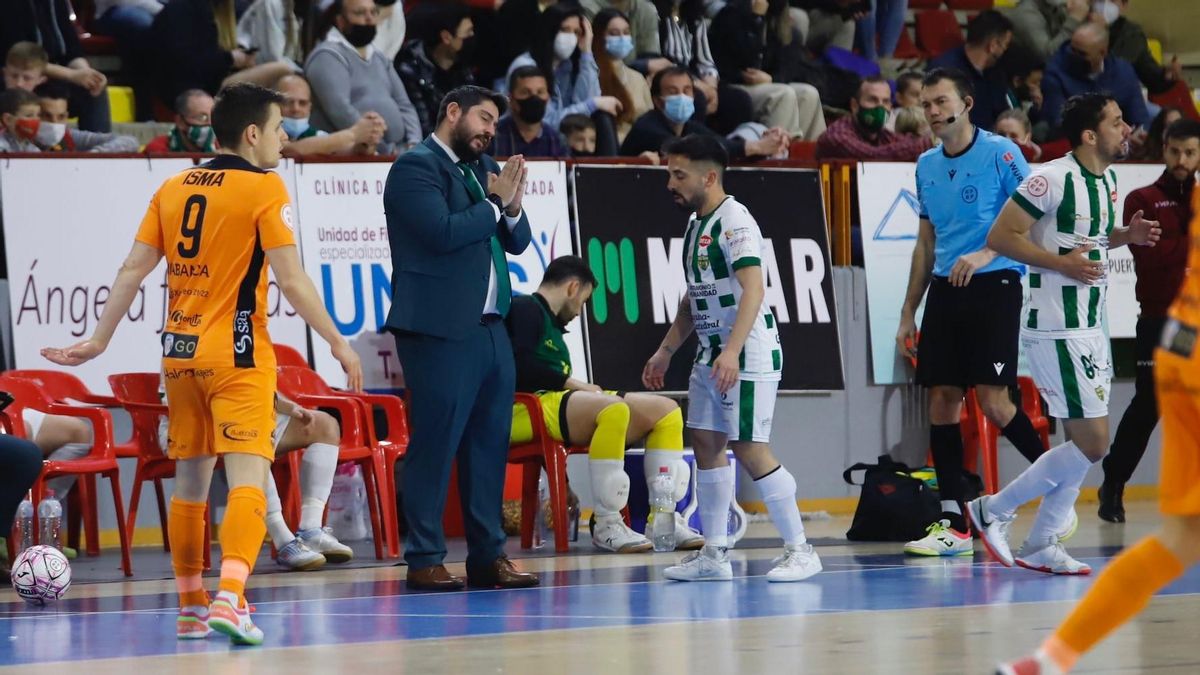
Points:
x=614 y=268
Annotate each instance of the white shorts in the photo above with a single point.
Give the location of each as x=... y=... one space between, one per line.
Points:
x=281 y=425
x=1074 y=375
x=744 y=413
x=33 y=422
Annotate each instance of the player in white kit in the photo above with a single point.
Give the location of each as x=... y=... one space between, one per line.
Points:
x=736 y=371
x=1061 y=222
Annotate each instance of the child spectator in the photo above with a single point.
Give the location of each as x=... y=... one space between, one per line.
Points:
x=1015 y=126
x=57 y=136
x=580 y=132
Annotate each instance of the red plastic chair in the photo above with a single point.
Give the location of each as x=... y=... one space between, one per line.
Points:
x=1055 y=149
x=803 y=150
x=938 y=31
x=969 y=5
x=289 y=356
x=1179 y=96
x=1031 y=403
x=102 y=459
x=924 y=4
x=542 y=452
x=306 y=388
x=62 y=386
x=906 y=48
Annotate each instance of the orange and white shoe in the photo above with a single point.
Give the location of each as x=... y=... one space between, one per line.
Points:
x=1038 y=664
x=192 y=623
x=225 y=617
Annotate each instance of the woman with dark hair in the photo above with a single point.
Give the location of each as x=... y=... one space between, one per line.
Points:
x=20 y=464
x=1152 y=150
x=613 y=42
x=562 y=48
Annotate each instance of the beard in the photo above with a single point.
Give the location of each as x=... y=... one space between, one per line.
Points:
x=687 y=205
x=460 y=143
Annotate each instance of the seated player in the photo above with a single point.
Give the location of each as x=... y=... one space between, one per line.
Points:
x=59 y=438
x=579 y=413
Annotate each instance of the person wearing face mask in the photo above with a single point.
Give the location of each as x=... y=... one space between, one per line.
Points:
x=19 y=123
x=1084 y=65
x=304 y=139
x=988 y=37
x=1127 y=40
x=350 y=78
x=440 y=60
x=1042 y=26
x=193 y=130
x=522 y=131
x=55 y=136
x=613 y=43
x=643 y=30
x=862 y=134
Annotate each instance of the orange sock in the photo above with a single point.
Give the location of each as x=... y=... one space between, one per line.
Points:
x=185 y=531
x=242 y=537
x=1120 y=592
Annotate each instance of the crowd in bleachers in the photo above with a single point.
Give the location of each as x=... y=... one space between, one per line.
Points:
x=773 y=78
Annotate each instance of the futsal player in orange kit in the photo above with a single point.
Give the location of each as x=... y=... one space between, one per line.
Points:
x=1125 y=586
x=219 y=225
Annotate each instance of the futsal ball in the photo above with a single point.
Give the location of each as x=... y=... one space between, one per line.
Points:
x=41 y=574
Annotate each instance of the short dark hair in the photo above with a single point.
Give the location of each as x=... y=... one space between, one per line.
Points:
x=568 y=267
x=183 y=99
x=1183 y=129
x=961 y=83
x=903 y=79
x=12 y=100
x=238 y=106
x=432 y=18
x=986 y=25
x=523 y=72
x=52 y=89
x=576 y=122
x=656 y=82
x=468 y=96
x=699 y=148
x=1081 y=113
x=873 y=79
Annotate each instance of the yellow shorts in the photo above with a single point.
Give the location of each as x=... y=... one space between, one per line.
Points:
x=554 y=411
x=1177 y=380
x=220 y=410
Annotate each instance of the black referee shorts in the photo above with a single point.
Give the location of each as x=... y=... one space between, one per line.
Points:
x=971 y=335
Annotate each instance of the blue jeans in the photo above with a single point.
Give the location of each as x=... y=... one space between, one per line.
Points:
x=889 y=15
x=125 y=23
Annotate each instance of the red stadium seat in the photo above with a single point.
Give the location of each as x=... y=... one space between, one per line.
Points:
x=1055 y=149
x=924 y=4
x=803 y=150
x=938 y=31
x=970 y=5
x=906 y=48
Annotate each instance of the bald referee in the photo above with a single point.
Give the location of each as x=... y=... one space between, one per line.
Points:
x=971 y=326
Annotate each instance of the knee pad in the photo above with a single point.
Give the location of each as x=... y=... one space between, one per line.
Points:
x=610 y=486
x=682 y=473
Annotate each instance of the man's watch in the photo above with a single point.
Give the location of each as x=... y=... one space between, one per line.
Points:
x=495 y=199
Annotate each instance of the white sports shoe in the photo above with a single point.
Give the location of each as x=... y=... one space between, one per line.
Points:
x=686 y=538
x=611 y=534
x=1052 y=559
x=708 y=564
x=941 y=540
x=992 y=529
x=225 y=617
x=298 y=556
x=321 y=540
x=796 y=564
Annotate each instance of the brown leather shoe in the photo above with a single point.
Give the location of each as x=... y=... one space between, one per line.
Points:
x=433 y=578
x=501 y=574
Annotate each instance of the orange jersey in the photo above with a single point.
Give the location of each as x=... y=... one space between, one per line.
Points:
x=1186 y=307
x=214 y=224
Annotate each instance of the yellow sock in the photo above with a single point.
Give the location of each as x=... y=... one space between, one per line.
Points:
x=242 y=536
x=667 y=433
x=608 y=440
x=1120 y=592
x=185 y=532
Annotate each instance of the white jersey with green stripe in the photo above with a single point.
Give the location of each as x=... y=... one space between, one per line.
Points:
x=715 y=246
x=1073 y=206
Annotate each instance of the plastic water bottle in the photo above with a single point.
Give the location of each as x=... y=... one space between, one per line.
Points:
x=25 y=524
x=662 y=506
x=50 y=513
x=540 y=531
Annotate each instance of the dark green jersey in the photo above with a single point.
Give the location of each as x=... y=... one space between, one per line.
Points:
x=540 y=351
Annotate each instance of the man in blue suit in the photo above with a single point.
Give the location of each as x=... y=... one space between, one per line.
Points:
x=450 y=293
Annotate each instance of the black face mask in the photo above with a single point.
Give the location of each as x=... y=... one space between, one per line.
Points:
x=532 y=109
x=467 y=52
x=359 y=35
x=1078 y=66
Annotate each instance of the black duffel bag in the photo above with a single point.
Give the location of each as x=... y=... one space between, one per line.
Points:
x=893 y=506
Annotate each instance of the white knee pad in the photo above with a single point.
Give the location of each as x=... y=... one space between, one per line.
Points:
x=610 y=486
x=682 y=473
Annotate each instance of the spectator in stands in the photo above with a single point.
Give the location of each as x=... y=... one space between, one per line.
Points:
x=683 y=40
x=390 y=28
x=437 y=61
x=829 y=23
x=562 y=48
x=350 y=78
x=907 y=95
x=1152 y=150
x=47 y=23
x=988 y=37
x=580 y=134
x=1127 y=40
x=271 y=28
x=19 y=123
x=362 y=138
x=1025 y=70
x=193 y=130
x=759 y=50
x=885 y=21
x=1044 y=25
x=861 y=135
x=194 y=46
x=128 y=21
x=1015 y=126
x=25 y=66
x=673 y=117
x=59 y=137
x=514 y=37
x=522 y=131
x=612 y=43
x=643 y=28
x=1084 y=65
x=911 y=122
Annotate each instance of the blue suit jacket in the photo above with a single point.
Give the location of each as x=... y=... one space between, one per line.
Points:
x=441 y=255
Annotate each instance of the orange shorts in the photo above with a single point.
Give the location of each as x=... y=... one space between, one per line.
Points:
x=1177 y=380
x=219 y=411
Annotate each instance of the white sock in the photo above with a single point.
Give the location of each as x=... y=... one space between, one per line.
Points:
x=1060 y=464
x=317 y=466
x=951 y=506
x=715 y=492
x=778 y=490
x=281 y=534
x=63 y=484
x=1054 y=513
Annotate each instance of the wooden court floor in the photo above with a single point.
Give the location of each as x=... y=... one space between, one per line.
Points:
x=871 y=611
